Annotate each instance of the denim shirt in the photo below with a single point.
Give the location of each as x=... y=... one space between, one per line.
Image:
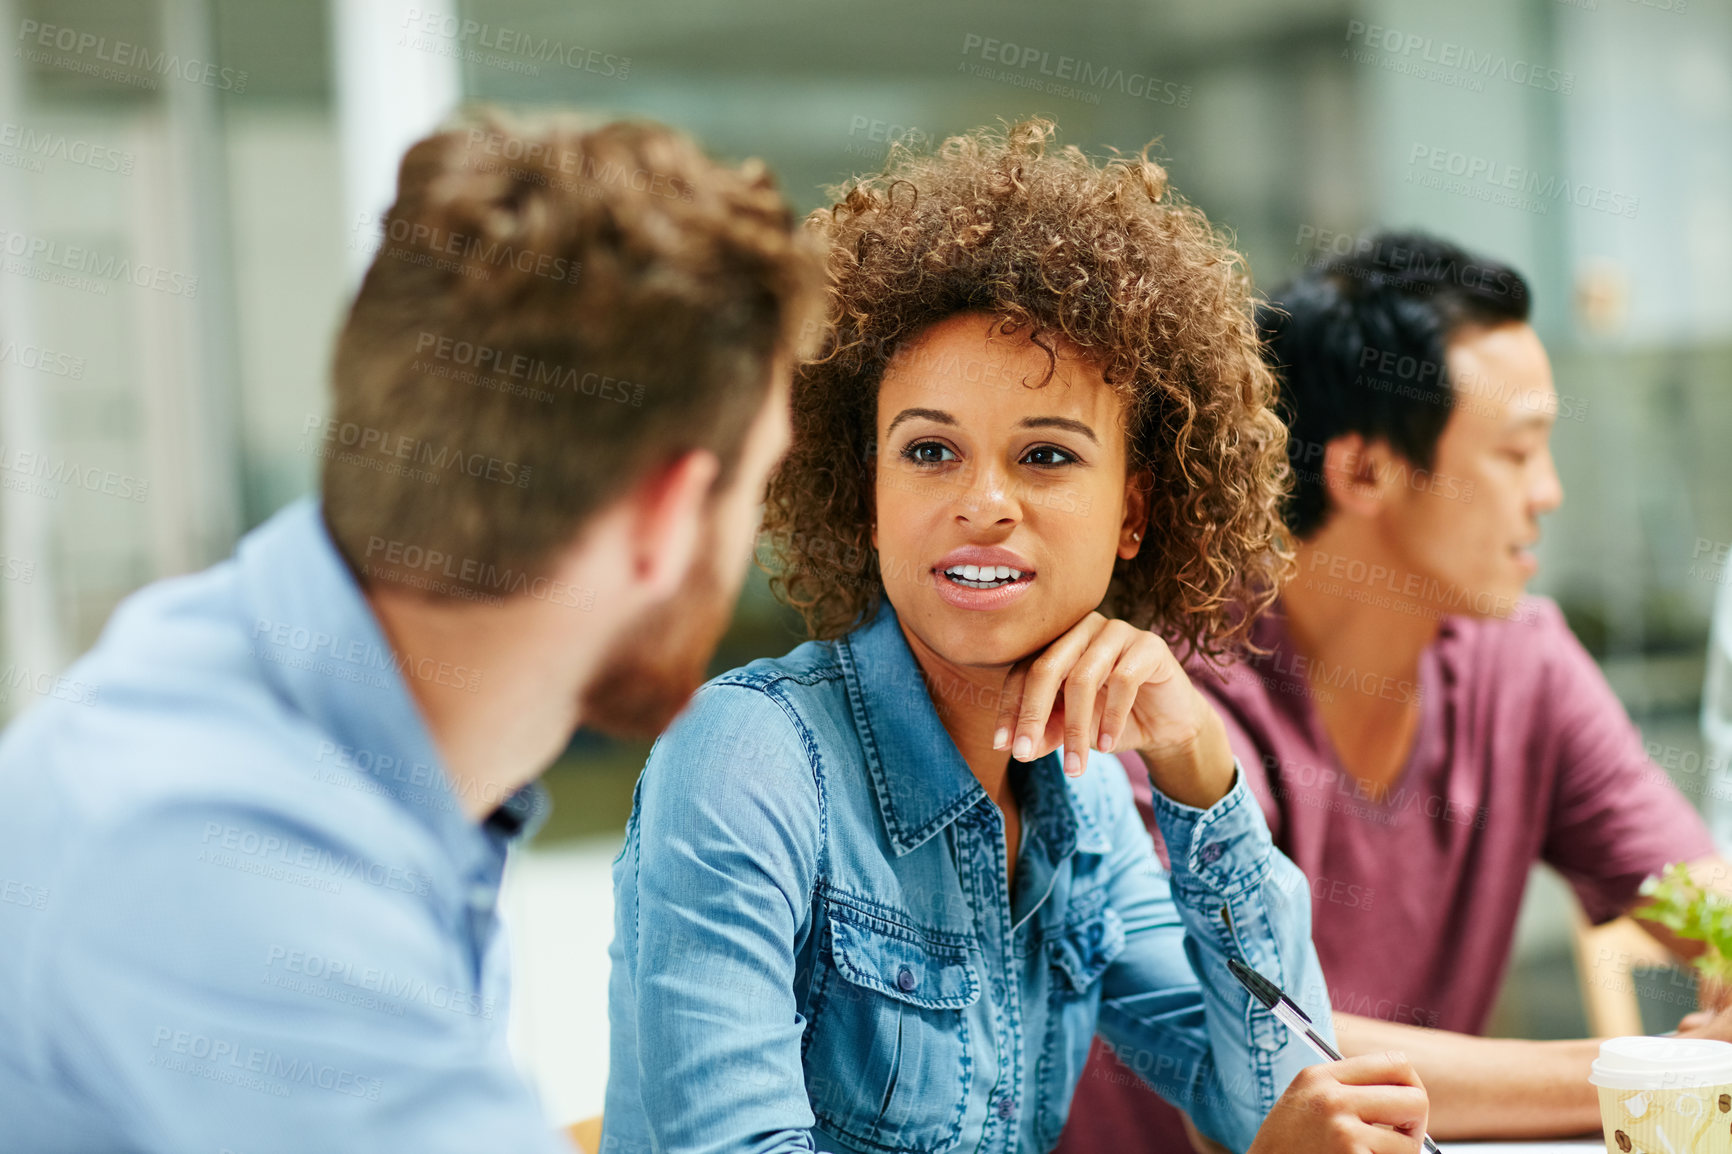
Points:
x=815 y=947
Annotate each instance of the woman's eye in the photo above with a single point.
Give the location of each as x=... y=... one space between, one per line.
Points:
x=1049 y=452
x=928 y=453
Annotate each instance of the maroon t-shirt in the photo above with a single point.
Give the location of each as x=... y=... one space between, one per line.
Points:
x=1522 y=754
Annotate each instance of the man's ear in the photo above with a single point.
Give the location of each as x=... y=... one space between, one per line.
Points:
x=1357 y=474
x=665 y=522
x=1134 y=530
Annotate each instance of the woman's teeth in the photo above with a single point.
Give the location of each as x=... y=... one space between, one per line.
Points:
x=983 y=576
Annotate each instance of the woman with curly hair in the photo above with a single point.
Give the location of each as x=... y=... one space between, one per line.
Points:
x=863 y=903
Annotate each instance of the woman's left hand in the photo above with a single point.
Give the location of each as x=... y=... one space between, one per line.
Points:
x=1122 y=689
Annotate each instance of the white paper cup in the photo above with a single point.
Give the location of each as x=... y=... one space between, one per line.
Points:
x=1665 y=1095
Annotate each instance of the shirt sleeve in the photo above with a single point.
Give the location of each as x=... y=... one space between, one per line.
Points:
x=1252 y=767
x=1615 y=816
x=702 y=1005
x=1171 y=1009
x=221 y=978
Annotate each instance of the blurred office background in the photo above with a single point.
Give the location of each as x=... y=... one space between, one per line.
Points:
x=218 y=167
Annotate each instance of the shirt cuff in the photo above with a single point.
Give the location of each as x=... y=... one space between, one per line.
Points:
x=1222 y=851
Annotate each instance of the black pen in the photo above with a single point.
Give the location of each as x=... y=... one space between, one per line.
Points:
x=1292 y=1017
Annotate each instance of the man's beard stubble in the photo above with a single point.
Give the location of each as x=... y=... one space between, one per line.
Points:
x=659 y=661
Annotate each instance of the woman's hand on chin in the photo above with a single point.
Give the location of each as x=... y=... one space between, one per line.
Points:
x=1105 y=684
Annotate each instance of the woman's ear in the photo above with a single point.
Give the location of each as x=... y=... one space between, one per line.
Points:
x=1136 y=523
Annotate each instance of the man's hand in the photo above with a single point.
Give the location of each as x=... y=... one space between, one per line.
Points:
x=1715 y=1024
x=1122 y=689
x=1373 y=1104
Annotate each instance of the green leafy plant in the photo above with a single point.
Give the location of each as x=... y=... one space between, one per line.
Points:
x=1693 y=913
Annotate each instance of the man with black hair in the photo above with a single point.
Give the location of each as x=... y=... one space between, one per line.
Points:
x=1418 y=731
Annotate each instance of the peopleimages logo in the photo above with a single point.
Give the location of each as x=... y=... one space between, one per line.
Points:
x=425 y=30
x=91 y=51
x=1313 y=246
x=1407 y=376
x=1412 y=593
x=590 y=174
x=1316 y=673
x=411 y=564
x=879 y=135
x=238 y=843
x=88 y=262
x=1033 y=63
x=23 y=894
x=487 y=362
x=327 y=972
x=440 y=460
x=39 y=146
x=296 y=646
x=1484 y=178
x=430 y=246
x=41 y=473
x=1448 y=61
x=42 y=360
x=255 y=1068
x=1709 y=561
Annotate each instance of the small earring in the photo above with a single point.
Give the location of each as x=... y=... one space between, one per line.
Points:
x=1136 y=536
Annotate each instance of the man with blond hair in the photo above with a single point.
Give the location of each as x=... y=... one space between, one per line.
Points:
x=264 y=863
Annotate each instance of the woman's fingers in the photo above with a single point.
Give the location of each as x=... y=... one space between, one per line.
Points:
x=1136 y=663
x=1033 y=736
x=1009 y=700
x=1092 y=672
x=1385 y=1090
x=1082 y=691
x=1402 y=1107
x=1380 y=1141
x=1372 y=1104
x=1390 y=1068
x=1009 y=725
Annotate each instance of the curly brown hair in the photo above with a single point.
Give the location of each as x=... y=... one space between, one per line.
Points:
x=1054 y=244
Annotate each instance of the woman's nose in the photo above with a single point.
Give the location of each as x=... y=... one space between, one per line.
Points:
x=987 y=495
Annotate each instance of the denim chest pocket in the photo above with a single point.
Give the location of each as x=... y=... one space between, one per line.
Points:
x=1078 y=952
x=886 y=1054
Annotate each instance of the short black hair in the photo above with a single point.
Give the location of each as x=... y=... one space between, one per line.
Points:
x=1359 y=342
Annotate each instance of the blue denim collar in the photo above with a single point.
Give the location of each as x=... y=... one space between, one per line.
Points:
x=332 y=661
x=919 y=777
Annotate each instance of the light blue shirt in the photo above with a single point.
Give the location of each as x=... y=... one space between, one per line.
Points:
x=815 y=946
x=247 y=912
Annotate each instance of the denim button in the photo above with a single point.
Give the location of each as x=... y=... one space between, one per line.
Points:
x=1006 y=1107
x=907 y=980
x=1211 y=853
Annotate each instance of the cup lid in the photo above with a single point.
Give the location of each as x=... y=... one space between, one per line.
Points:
x=1662 y=1063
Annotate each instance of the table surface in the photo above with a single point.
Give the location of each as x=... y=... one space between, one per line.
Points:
x=1570 y=1146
